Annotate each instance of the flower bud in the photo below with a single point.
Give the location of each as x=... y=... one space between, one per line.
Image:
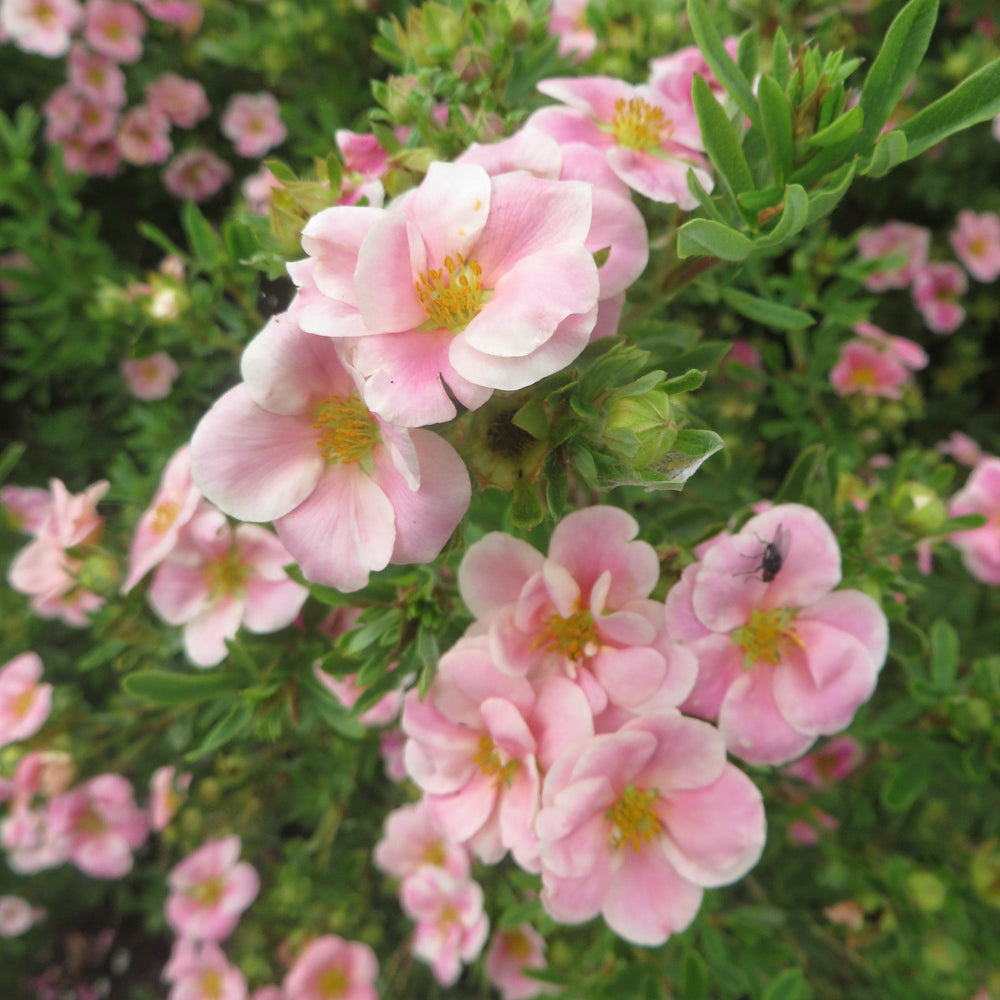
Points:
x=650 y=419
x=100 y=573
x=919 y=508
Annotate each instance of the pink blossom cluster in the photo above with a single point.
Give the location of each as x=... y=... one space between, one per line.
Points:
x=210 y=578
x=876 y=363
x=980 y=547
x=253 y=123
x=24 y=702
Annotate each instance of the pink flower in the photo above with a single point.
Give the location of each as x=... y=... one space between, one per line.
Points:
x=650 y=142
x=203 y=973
x=980 y=547
x=831 y=762
x=17 y=915
x=568 y=22
x=253 y=122
x=864 y=368
x=294 y=444
x=152 y=377
x=673 y=75
x=96 y=76
x=143 y=139
x=347 y=691
x=781 y=659
x=216 y=580
x=805 y=832
x=41 y=26
x=959 y=446
x=257 y=190
x=115 y=29
x=331 y=968
x=451 y=925
x=31 y=841
x=905 y=249
x=24 y=703
x=186 y=14
x=62 y=113
x=26 y=507
x=638 y=822
x=936 y=288
x=196 y=174
x=166 y=790
x=101 y=825
x=509 y=954
x=184 y=102
x=496 y=293
x=907 y=352
x=390 y=745
x=95 y=123
x=209 y=890
x=976 y=242
x=412 y=838
x=362 y=153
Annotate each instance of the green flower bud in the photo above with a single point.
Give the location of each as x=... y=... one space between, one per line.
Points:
x=927 y=890
x=99 y=572
x=648 y=418
x=919 y=508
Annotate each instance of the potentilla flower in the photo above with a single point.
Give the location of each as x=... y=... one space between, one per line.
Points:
x=17 y=915
x=980 y=547
x=42 y=772
x=143 y=139
x=216 y=580
x=96 y=76
x=257 y=190
x=976 y=242
x=184 y=102
x=347 y=691
x=253 y=123
x=509 y=954
x=348 y=492
x=203 y=973
x=100 y=824
x=115 y=29
x=834 y=760
x=209 y=890
x=936 y=290
x=95 y=123
x=331 y=968
x=495 y=293
x=152 y=377
x=62 y=113
x=186 y=14
x=568 y=22
x=451 y=925
x=41 y=26
x=903 y=246
x=166 y=791
x=782 y=659
x=31 y=841
x=196 y=174
x=636 y=823
x=864 y=368
x=673 y=75
x=24 y=703
x=962 y=448
x=412 y=838
x=650 y=142
x=25 y=507
x=102 y=159
x=584 y=612
x=907 y=352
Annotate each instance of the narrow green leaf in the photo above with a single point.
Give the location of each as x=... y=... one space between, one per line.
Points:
x=156 y=235
x=776 y=119
x=780 y=60
x=974 y=100
x=694 y=977
x=721 y=140
x=556 y=484
x=907 y=641
x=226 y=729
x=748 y=54
x=360 y=639
x=165 y=688
x=905 y=786
x=704 y=357
x=720 y=61
x=688 y=382
x=889 y=152
x=757 y=201
x=944 y=655
x=10 y=457
x=708 y=238
x=824 y=201
x=772 y=314
x=526 y=511
x=793 y=218
x=788 y=985
x=902 y=51
x=704 y=198
x=964 y=522
x=844 y=127
x=796 y=483
x=202 y=238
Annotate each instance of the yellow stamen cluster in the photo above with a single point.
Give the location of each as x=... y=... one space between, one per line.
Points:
x=228 y=574
x=333 y=984
x=211 y=984
x=763 y=637
x=164 y=515
x=574 y=637
x=452 y=295
x=487 y=758
x=638 y=125
x=634 y=821
x=207 y=893
x=347 y=431
x=23 y=702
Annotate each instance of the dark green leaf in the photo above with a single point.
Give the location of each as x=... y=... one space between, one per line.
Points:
x=907 y=784
x=788 y=985
x=165 y=688
x=202 y=238
x=694 y=977
x=907 y=641
x=768 y=313
x=796 y=483
x=721 y=140
x=748 y=54
x=708 y=238
x=780 y=62
x=944 y=655
x=704 y=357
x=9 y=458
x=227 y=728
x=556 y=483
x=776 y=119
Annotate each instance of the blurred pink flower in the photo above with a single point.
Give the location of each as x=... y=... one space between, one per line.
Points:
x=864 y=368
x=184 y=102
x=330 y=968
x=40 y=26
x=24 y=703
x=31 y=841
x=976 y=242
x=673 y=75
x=568 y=22
x=346 y=690
x=166 y=791
x=412 y=838
x=959 y=446
x=509 y=954
x=26 y=506
x=17 y=915
x=936 y=289
x=196 y=174
x=62 y=113
x=143 y=139
x=209 y=890
x=834 y=760
x=257 y=190
x=980 y=547
x=186 y=14
x=151 y=377
x=203 y=973
x=391 y=744
x=115 y=29
x=253 y=123
x=909 y=243
x=96 y=76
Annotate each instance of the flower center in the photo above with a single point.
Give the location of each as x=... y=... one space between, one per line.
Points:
x=977 y=246
x=347 y=431
x=207 y=893
x=452 y=294
x=89 y=823
x=632 y=817
x=211 y=984
x=487 y=758
x=863 y=376
x=765 y=633
x=519 y=946
x=332 y=984
x=574 y=637
x=164 y=515
x=638 y=125
x=23 y=702
x=228 y=574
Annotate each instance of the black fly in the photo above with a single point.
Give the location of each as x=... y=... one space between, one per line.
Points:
x=772 y=556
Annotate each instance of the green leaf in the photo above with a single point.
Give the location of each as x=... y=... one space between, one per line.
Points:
x=776 y=119
x=226 y=729
x=824 y=201
x=944 y=655
x=9 y=458
x=533 y=419
x=964 y=522
x=902 y=51
x=708 y=238
x=202 y=238
x=704 y=357
x=704 y=198
x=156 y=235
x=692 y=379
x=796 y=483
x=844 y=127
x=788 y=985
x=793 y=218
x=974 y=100
x=726 y=71
x=907 y=784
x=780 y=62
x=360 y=639
x=556 y=484
x=526 y=511
x=748 y=54
x=889 y=152
x=163 y=687
x=720 y=138
x=907 y=641
x=763 y=311
x=694 y=977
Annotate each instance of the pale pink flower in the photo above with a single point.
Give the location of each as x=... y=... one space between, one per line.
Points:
x=184 y=102
x=96 y=76
x=451 y=925
x=31 y=841
x=347 y=691
x=173 y=506
x=26 y=506
x=568 y=22
x=186 y=14
x=936 y=289
x=143 y=139
x=294 y=444
x=62 y=113
x=959 y=446
x=115 y=29
x=673 y=75
x=102 y=159
x=267 y=993
x=216 y=580
x=907 y=352
x=24 y=703
x=257 y=190
x=101 y=825
x=42 y=772
x=209 y=890
x=834 y=760
x=905 y=248
x=196 y=174
x=509 y=954
x=17 y=915
x=253 y=123
x=330 y=968
x=976 y=242
x=166 y=790
x=863 y=368
x=95 y=122
x=412 y=838
x=362 y=153
x=41 y=26
x=782 y=660
x=650 y=142
x=390 y=745
x=980 y=547
x=806 y=832
x=637 y=823
x=495 y=293
x=203 y=973
x=152 y=377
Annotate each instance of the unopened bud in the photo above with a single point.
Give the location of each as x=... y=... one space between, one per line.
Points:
x=650 y=417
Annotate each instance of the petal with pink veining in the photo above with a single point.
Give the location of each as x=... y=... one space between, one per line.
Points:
x=494 y=570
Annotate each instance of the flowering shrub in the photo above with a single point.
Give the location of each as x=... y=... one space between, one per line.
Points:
x=499 y=499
